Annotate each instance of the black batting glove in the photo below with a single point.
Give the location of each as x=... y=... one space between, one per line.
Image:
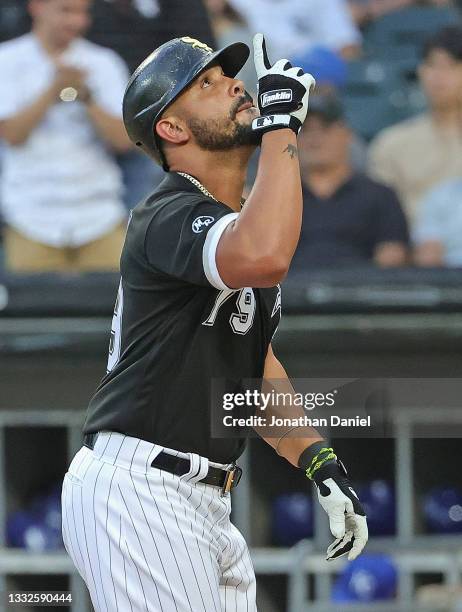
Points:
x=283 y=91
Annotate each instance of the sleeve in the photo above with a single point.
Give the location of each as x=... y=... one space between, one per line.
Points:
x=182 y=238
x=10 y=96
x=391 y=221
x=108 y=82
x=429 y=223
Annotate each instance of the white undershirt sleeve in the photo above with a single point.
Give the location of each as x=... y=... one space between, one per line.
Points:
x=210 y=249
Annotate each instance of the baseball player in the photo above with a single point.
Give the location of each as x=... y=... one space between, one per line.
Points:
x=146 y=504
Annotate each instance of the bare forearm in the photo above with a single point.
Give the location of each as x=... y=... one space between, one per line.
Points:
x=273 y=213
x=17 y=129
x=109 y=128
x=266 y=232
x=287 y=442
x=271 y=218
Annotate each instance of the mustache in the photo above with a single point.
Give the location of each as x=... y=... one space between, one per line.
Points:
x=246 y=97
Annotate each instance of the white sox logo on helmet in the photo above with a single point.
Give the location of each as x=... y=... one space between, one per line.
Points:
x=196 y=44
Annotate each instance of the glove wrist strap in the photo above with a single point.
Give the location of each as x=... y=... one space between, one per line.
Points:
x=315 y=456
x=268 y=123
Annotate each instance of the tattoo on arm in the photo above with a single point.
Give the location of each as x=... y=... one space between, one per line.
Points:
x=291 y=150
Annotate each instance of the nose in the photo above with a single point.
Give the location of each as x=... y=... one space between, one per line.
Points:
x=237 y=87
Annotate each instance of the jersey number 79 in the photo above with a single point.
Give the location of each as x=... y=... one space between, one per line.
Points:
x=242 y=320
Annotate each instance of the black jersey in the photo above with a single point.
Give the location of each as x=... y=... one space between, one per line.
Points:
x=177 y=327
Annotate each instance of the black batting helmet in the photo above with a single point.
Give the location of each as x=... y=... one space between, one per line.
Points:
x=161 y=78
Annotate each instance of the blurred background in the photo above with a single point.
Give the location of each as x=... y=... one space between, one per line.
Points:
x=375 y=289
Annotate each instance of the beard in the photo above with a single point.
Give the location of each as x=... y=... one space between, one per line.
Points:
x=224 y=134
x=217 y=135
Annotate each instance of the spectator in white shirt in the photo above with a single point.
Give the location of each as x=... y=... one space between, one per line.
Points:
x=291 y=26
x=60 y=117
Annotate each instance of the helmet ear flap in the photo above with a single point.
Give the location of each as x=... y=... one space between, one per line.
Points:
x=158 y=149
x=159 y=152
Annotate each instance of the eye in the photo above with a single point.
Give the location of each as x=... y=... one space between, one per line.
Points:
x=206 y=82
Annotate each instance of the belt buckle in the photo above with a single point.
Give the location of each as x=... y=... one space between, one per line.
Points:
x=232 y=478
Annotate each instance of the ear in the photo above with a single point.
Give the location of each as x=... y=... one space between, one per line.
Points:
x=172 y=130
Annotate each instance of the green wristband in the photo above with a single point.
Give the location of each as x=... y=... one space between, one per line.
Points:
x=326 y=454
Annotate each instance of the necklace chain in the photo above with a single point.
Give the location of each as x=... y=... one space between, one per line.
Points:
x=199 y=185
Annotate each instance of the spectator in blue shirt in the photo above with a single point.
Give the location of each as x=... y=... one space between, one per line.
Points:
x=348 y=219
x=437 y=235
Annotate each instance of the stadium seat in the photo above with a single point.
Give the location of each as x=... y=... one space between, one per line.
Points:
x=442 y=509
x=376 y=95
x=370 y=577
x=367 y=114
x=401 y=60
x=378 y=500
x=38 y=527
x=14 y=19
x=382 y=88
x=292 y=518
x=366 y=74
x=411 y=25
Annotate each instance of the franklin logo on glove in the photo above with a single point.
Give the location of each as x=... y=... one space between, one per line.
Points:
x=283 y=91
x=275 y=97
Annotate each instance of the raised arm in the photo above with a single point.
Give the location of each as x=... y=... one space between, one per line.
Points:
x=256 y=250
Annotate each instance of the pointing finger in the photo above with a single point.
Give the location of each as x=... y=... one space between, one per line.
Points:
x=260 y=55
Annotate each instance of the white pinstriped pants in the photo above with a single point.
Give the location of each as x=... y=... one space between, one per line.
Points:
x=145 y=540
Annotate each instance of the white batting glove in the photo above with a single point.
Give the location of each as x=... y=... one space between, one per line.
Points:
x=347 y=518
x=283 y=91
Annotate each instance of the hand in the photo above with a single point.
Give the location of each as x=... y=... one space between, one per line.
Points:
x=70 y=77
x=347 y=518
x=282 y=89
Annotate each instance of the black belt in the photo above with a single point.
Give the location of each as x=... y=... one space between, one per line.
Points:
x=217 y=477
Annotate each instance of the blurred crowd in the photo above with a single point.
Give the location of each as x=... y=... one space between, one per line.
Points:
x=380 y=151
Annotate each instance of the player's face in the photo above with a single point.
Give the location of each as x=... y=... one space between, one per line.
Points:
x=219 y=112
x=323 y=144
x=62 y=20
x=441 y=78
